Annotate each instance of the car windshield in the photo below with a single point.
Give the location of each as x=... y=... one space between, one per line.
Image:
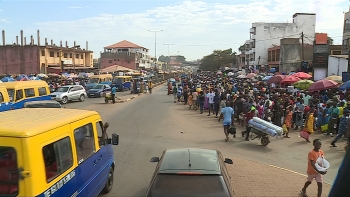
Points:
x=93 y=80
x=8 y=172
x=180 y=185
x=62 y=89
x=11 y=93
x=98 y=87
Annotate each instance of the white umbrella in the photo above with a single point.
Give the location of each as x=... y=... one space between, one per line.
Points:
x=240 y=76
x=42 y=76
x=230 y=74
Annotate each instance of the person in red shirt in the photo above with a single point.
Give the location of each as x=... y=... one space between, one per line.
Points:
x=312 y=171
x=248 y=116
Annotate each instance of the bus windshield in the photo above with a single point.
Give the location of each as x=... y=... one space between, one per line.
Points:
x=93 y=80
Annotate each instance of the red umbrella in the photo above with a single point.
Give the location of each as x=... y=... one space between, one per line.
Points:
x=290 y=79
x=322 y=85
x=302 y=75
x=276 y=79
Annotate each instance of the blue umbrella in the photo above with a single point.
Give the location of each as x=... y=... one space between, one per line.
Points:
x=345 y=86
x=266 y=78
x=21 y=77
x=7 y=79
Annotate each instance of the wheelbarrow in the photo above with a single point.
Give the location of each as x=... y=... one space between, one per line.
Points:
x=257 y=134
x=107 y=96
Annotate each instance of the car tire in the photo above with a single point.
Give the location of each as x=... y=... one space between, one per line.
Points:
x=65 y=100
x=109 y=183
x=82 y=98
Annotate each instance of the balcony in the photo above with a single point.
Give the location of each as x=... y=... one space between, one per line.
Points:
x=252 y=50
x=252 y=30
x=247 y=42
x=252 y=36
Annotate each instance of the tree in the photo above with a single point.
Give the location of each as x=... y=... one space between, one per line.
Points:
x=218 y=59
x=330 y=40
x=163 y=58
x=241 y=48
x=181 y=59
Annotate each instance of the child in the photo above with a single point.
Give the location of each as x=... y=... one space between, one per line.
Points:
x=190 y=99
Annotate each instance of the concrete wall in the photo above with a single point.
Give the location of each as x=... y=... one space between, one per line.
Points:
x=15 y=59
x=337 y=65
x=290 y=55
x=346 y=32
x=127 y=60
x=269 y=34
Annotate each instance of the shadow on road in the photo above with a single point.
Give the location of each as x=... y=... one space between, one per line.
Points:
x=254 y=145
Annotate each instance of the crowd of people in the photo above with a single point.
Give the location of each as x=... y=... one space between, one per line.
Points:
x=309 y=113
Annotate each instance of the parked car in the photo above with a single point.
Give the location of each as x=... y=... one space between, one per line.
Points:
x=69 y=93
x=190 y=172
x=42 y=104
x=98 y=90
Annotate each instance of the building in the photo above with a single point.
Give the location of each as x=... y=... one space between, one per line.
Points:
x=23 y=58
x=337 y=64
x=346 y=33
x=266 y=35
x=126 y=54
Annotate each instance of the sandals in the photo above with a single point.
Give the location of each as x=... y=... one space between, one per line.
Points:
x=227 y=139
x=303 y=193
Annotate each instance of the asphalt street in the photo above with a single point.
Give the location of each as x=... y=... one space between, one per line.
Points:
x=153 y=122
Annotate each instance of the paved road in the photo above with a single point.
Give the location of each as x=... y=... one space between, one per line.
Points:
x=151 y=123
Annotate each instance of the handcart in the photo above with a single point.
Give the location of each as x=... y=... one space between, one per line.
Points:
x=107 y=96
x=256 y=133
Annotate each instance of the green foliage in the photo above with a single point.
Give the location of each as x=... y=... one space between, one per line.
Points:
x=163 y=58
x=218 y=59
x=179 y=58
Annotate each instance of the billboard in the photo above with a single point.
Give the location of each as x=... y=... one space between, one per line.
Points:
x=320 y=60
x=321 y=38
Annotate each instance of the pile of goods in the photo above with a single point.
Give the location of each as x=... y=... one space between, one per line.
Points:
x=266 y=127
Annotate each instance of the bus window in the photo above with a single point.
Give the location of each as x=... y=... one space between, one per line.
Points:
x=84 y=142
x=42 y=91
x=1 y=98
x=29 y=92
x=19 y=94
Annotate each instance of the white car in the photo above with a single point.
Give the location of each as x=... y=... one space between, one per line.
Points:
x=69 y=93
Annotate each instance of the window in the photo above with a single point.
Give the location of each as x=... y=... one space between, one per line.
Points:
x=42 y=53
x=58 y=158
x=42 y=91
x=65 y=55
x=109 y=61
x=82 y=56
x=58 y=54
x=71 y=55
x=19 y=95
x=29 y=92
x=1 y=98
x=52 y=54
x=99 y=127
x=8 y=171
x=76 y=88
x=84 y=142
x=77 y=56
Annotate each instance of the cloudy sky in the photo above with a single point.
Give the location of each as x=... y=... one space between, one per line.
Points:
x=193 y=28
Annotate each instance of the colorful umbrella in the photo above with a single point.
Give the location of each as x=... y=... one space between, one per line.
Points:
x=250 y=75
x=290 y=79
x=345 y=86
x=303 y=84
x=322 y=85
x=335 y=78
x=276 y=79
x=266 y=78
x=302 y=75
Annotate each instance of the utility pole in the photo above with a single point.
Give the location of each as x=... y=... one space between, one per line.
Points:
x=302 y=46
x=168 y=48
x=155 y=42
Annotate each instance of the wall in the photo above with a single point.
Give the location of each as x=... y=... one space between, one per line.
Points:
x=19 y=59
x=337 y=65
x=346 y=32
x=127 y=60
x=269 y=34
x=290 y=55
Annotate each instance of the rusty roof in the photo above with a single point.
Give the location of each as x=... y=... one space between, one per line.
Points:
x=123 y=44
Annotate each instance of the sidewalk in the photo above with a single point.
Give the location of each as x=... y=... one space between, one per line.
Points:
x=132 y=96
x=252 y=179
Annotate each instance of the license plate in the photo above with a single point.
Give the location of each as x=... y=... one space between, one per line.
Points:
x=92 y=94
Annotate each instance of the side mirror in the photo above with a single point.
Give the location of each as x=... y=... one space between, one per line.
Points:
x=154 y=159
x=115 y=139
x=228 y=161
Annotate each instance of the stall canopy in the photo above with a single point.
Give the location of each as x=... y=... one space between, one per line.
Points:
x=117 y=68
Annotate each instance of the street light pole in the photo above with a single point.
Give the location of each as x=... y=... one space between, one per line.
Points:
x=168 y=48
x=155 y=42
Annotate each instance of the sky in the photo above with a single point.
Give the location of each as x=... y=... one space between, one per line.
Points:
x=190 y=28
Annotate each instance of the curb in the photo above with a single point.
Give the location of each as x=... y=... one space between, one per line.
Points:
x=137 y=95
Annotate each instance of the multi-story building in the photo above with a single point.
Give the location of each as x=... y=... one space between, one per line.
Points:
x=346 y=33
x=266 y=35
x=23 y=58
x=126 y=54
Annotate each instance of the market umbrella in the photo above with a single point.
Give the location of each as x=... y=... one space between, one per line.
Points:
x=290 y=79
x=276 y=79
x=322 y=85
x=345 y=86
x=250 y=75
x=266 y=78
x=302 y=75
x=303 y=84
x=240 y=76
x=335 y=78
x=7 y=79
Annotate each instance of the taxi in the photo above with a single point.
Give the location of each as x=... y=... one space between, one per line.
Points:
x=55 y=152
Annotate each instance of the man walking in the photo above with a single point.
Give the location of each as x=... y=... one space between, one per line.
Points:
x=343 y=125
x=227 y=114
x=113 y=91
x=210 y=97
x=312 y=171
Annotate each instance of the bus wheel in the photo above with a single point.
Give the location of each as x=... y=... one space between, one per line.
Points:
x=109 y=183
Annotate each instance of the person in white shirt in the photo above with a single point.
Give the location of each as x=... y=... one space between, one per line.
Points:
x=210 y=97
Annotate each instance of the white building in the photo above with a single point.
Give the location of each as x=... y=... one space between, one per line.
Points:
x=337 y=64
x=346 y=32
x=266 y=35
